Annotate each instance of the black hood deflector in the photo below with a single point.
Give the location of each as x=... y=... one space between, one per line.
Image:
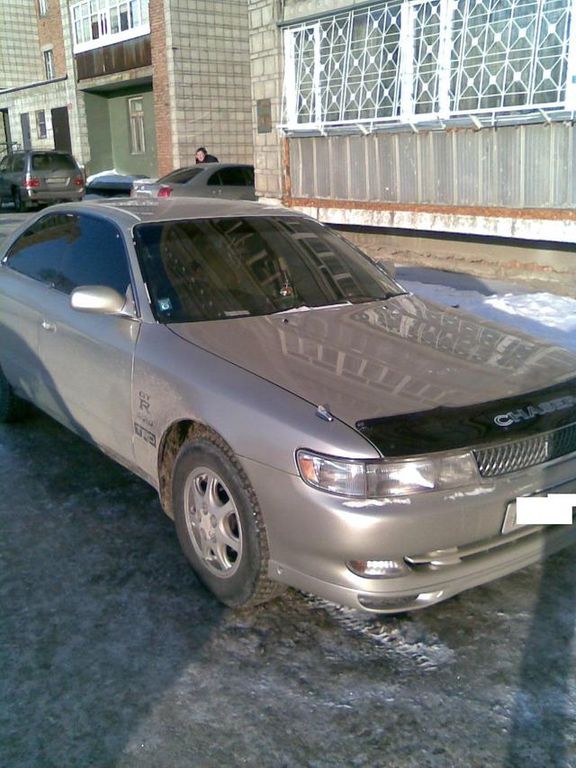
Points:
x=445 y=428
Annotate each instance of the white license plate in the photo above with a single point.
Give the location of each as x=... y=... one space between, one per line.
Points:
x=548 y=515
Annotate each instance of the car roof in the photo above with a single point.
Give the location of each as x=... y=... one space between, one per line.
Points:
x=210 y=166
x=39 y=152
x=130 y=211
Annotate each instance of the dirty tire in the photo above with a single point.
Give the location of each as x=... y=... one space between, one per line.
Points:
x=219 y=524
x=12 y=407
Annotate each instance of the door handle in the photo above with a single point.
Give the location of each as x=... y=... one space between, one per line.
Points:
x=48 y=326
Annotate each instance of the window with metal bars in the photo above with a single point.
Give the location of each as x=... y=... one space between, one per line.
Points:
x=416 y=60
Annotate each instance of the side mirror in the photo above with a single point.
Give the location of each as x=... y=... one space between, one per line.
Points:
x=99 y=300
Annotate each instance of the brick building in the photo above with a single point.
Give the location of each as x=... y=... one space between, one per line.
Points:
x=451 y=118
x=130 y=85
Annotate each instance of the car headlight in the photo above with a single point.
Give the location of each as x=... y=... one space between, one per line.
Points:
x=396 y=477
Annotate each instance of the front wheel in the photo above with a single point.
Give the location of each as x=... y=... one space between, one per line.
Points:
x=219 y=524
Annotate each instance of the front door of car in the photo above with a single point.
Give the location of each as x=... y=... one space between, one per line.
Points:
x=86 y=359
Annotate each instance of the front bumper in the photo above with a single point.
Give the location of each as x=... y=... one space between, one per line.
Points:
x=450 y=541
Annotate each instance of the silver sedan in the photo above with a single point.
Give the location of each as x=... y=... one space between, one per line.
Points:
x=305 y=420
x=231 y=181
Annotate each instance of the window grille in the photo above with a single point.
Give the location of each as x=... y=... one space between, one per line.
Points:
x=408 y=61
x=96 y=23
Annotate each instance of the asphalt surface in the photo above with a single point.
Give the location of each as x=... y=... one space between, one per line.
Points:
x=113 y=656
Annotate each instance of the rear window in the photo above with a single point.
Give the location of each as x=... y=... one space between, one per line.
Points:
x=46 y=161
x=181 y=176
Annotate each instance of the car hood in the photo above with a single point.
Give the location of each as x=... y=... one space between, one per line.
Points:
x=386 y=359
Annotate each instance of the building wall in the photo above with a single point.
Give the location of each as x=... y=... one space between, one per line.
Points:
x=164 y=97
x=267 y=72
x=512 y=184
x=209 y=70
x=23 y=77
x=44 y=96
x=20 y=57
x=50 y=35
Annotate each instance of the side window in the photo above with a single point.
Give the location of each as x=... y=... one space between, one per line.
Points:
x=4 y=164
x=233 y=177
x=18 y=164
x=215 y=179
x=97 y=256
x=38 y=251
x=66 y=251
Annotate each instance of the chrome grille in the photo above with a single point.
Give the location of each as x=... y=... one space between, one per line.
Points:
x=520 y=454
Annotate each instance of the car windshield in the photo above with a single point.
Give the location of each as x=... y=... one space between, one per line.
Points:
x=211 y=269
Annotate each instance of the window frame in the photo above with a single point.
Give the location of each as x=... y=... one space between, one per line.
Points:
x=137 y=125
x=455 y=59
x=41 y=126
x=49 y=64
x=41 y=225
x=96 y=23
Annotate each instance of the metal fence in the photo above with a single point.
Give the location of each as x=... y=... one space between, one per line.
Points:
x=527 y=166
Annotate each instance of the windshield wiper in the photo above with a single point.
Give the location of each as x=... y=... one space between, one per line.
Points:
x=367 y=299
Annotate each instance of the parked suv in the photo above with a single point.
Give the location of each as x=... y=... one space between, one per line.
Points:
x=35 y=177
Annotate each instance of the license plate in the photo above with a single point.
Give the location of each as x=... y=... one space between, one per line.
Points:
x=511 y=517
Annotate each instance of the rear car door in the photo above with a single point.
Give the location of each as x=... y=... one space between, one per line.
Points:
x=232 y=183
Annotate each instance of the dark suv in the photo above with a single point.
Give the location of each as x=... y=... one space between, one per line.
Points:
x=38 y=177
